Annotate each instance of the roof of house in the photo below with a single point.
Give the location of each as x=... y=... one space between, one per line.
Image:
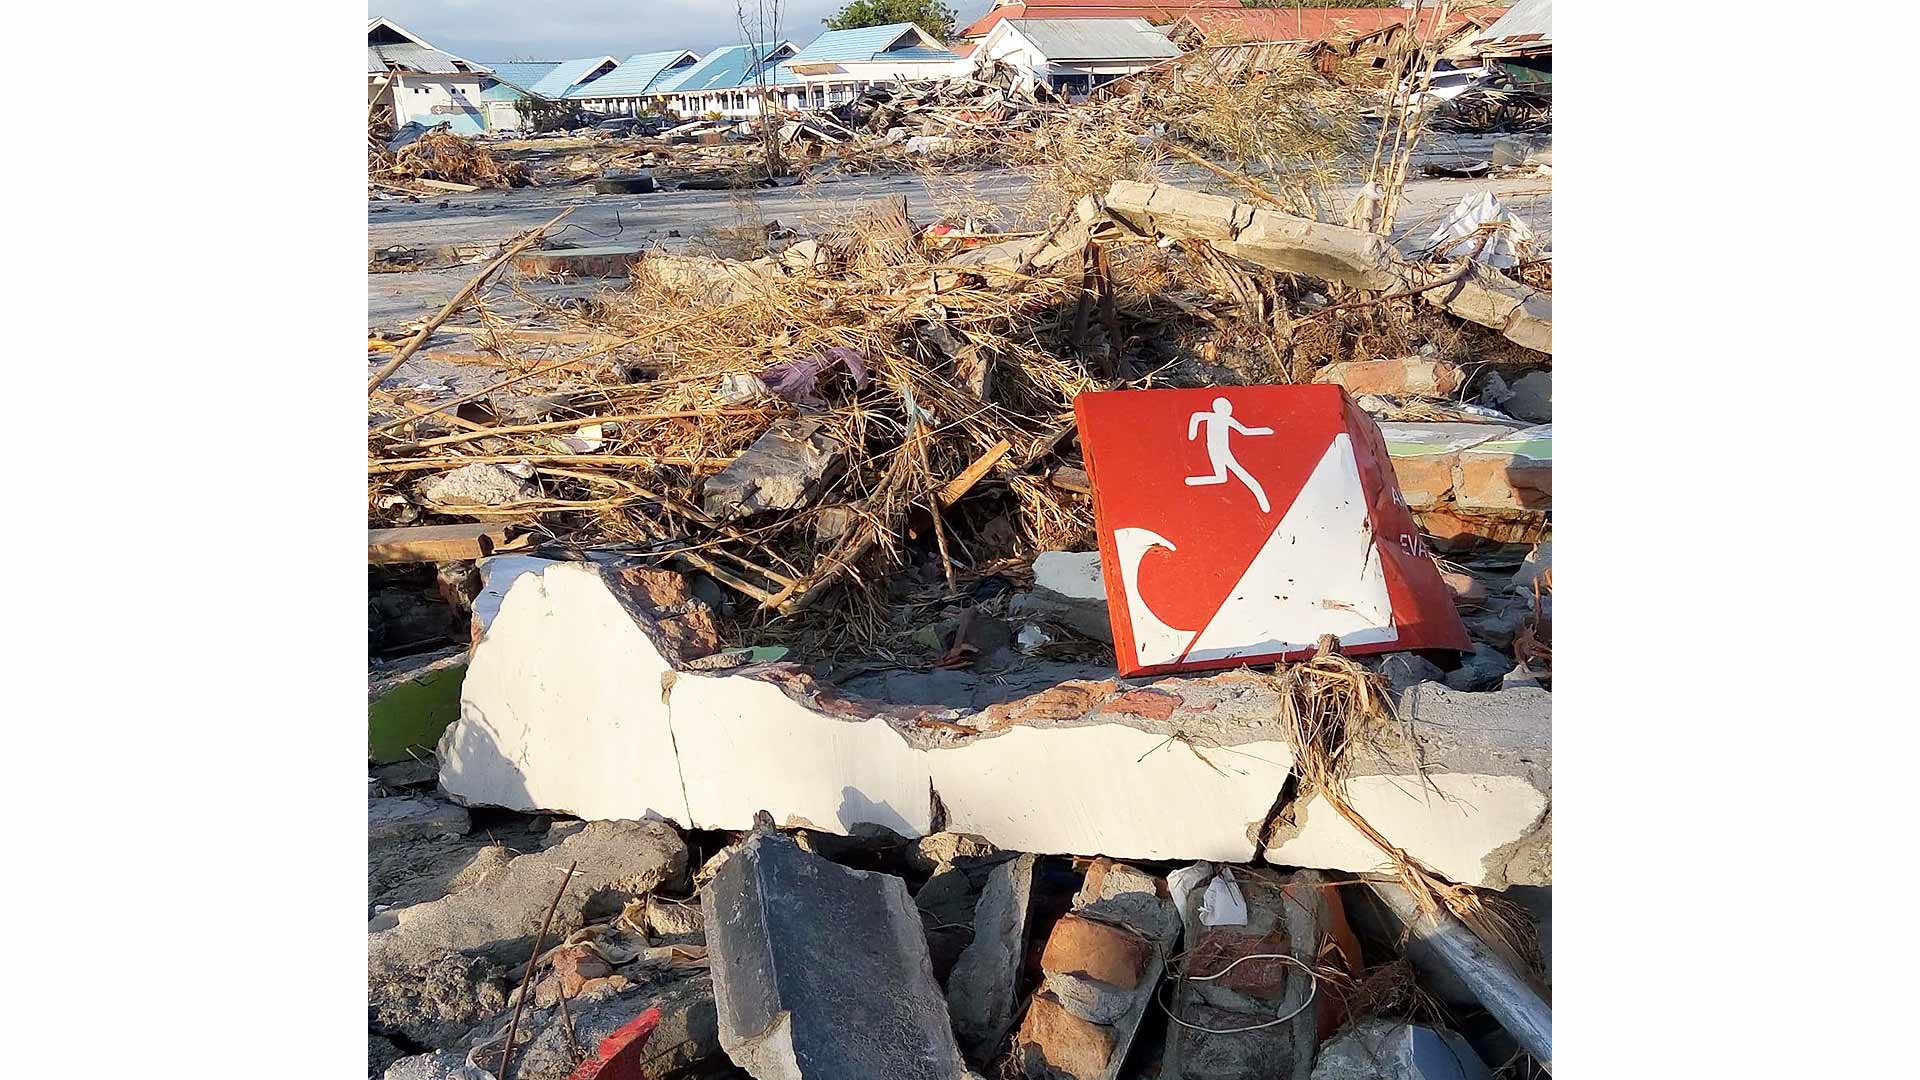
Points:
x=640 y=73
x=895 y=40
x=1527 y=24
x=1095 y=39
x=728 y=68
x=568 y=74
x=1318 y=24
x=1162 y=12
x=516 y=79
x=414 y=54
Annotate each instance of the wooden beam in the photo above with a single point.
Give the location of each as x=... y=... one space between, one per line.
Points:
x=435 y=543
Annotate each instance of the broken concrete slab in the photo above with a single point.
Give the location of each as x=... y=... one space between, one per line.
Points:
x=1383 y=1049
x=479 y=486
x=794 y=1001
x=1100 y=968
x=779 y=471
x=1408 y=375
x=1068 y=589
x=1471 y=797
x=1513 y=472
x=685 y=1042
x=985 y=984
x=573 y=704
x=435 y=969
x=605 y=261
x=412 y=817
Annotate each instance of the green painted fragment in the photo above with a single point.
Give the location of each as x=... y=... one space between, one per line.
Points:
x=413 y=711
x=1532 y=449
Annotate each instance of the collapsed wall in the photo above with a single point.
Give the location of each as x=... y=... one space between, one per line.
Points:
x=578 y=699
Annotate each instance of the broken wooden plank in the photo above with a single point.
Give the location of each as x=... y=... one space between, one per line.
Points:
x=1068 y=478
x=435 y=543
x=445 y=185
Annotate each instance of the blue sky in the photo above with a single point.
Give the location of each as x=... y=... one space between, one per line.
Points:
x=483 y=30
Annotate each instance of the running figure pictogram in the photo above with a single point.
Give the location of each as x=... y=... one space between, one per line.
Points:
x=1217 y=422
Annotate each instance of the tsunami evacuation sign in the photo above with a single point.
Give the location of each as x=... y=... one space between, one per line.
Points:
x=1238 y=524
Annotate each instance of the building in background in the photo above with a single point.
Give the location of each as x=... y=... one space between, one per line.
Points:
x=1158 y=14
x=1074 y=56
x=1519 y=44
x=419 y=82
x=727 y=82
x=838 y=64
x=549 y=80
x=628 y=89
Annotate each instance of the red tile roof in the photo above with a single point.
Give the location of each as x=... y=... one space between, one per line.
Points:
x=1317 y=24
x=1158 y=14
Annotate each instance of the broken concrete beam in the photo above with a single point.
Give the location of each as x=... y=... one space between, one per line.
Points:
x=1408 y=375
x=1363 y=260
x=985 y=984
x=821 y=971
x=1509 y=483
x=1471 y=796
x=607 y=261
x=573 y=702
x=411 y=702
x=409 y=817
x=1424 y=456
x=782 y=468
x=1383 y=1049
x=1068 y=589
x=436 y=969
x=1100 y=968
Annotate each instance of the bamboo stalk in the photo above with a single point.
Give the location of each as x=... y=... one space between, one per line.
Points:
x=423 y=464
x=562 y=425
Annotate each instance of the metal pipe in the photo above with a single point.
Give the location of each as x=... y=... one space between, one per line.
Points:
x=1505 y=992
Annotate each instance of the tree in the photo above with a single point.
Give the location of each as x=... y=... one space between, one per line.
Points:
x=932 y=16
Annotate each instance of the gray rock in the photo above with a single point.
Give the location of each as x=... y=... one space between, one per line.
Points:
x=1532 y=397
x=481 y=484
x=1403 y=670
x=1481 y=669
x=412 y=817
x=436 y=969
x=929 y=853
x=984 y=986
x=778 y=472
x=1379 y=1049
x=688 y=1036
x=1088 y=999
x=821 y=971
x=439 y=1065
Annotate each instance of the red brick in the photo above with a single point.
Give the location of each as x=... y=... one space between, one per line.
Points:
x=1053 y=1037
x=1425 y=479
x=1095 y=950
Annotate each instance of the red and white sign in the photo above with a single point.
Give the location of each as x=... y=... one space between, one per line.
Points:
x=1239 y=523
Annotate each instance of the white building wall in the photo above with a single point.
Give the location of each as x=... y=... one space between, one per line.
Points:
x=432 y=99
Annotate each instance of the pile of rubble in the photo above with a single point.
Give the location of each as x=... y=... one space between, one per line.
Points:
x=772 y=657
x=439 y=160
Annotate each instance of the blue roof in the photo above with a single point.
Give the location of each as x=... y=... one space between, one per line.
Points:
x=557 y=82
x=870 y=42
x=723 y=69
x=637 y=75
x=515 y=80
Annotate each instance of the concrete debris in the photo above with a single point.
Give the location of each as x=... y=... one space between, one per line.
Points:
x=1531 y=398
x=1100 y=968
x=1382 y=1049
x=1473 y=485
x=1231 y=987
x=436 y=969
x=1481 y=669
x=479 y=486
x=1470 y=797
x=406 y=817
x=984 y=987
x=573 y=703
x=794 y=1002
x=778 y=472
